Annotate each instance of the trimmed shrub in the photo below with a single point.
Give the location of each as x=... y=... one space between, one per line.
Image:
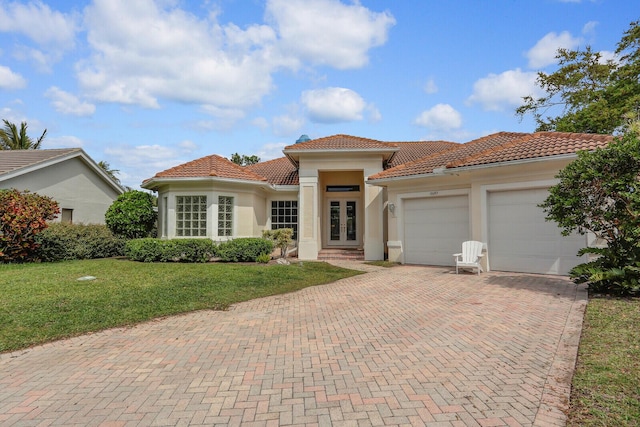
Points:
x=244 y=249
x=22 y=216
x=61 y=242
x=132 y=215
x=175 y=250
x=281 y=237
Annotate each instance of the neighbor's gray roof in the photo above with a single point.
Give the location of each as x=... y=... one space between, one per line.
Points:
x=14 y=160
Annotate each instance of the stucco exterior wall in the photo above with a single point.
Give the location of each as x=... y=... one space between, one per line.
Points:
x=249 y=208
x=74 y=185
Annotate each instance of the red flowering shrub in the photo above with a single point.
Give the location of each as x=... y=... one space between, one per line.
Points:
x=22 y=216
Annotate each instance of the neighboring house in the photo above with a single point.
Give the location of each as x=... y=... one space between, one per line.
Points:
x=413 y=202
x=82 y=189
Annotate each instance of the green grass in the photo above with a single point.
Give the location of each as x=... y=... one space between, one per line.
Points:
x=386 y=264
x=46 y=302
x=606 y=384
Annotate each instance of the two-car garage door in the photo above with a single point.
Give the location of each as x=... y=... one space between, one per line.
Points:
x=519 y=238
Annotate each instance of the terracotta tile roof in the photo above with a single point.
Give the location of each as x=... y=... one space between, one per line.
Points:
x=536 y=145
x=214 y=166
x=410 y=151
x=12 y=160
x=277 y=171
x=341 y=142
x=441 y=159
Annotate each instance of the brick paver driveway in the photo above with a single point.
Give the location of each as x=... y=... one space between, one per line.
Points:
x=399 y=346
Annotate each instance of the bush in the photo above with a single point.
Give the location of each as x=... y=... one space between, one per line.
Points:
x=263 y=258
x=62 y=242
x=245 y=249
x=132 y=215
x=281 y=237
x=22 y=216
x=176 y=250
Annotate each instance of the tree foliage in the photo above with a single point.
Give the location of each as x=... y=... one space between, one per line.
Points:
x=132 y=215
x=281 y=238
x=244 y=160
x=106 y=167
x=593 y=95
x=599 y=193
x=22 y=216
x=13 y=139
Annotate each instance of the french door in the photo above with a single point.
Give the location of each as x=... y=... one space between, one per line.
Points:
x=343 y=223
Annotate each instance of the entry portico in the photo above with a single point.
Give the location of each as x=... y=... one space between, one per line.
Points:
x=338 y=207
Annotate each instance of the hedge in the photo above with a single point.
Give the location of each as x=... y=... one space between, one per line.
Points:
x=174 y=250
x=61 y=242
x=244 y=249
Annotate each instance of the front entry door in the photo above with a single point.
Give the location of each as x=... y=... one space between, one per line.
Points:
x=343 y=225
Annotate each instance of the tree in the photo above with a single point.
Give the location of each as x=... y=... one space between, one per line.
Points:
x=599 y=193
x=105 y=166
x=22 y=216
x=592 y=95
x=132 y=215
x=281 y=238
x=244 y=160
x=13 y=139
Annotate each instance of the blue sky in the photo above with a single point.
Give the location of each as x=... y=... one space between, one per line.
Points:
x=146 y=85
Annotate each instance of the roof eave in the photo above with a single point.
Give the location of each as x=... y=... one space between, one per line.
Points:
x=439 y=172
x=568 y=156
x=152 y=183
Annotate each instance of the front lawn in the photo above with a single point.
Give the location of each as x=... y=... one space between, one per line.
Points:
x=45 y=302
x=606 y=383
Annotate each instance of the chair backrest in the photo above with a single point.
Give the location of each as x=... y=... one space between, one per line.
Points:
x=471 y=250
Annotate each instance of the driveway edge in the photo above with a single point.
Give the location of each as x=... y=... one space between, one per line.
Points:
x=554 y=403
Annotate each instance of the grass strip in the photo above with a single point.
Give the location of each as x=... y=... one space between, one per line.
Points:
x=46 y=302
x=606 y=383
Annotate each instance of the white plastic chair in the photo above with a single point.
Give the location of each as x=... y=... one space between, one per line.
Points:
x=470 y=256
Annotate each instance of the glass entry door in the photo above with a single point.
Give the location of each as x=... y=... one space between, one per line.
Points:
x=343 y=224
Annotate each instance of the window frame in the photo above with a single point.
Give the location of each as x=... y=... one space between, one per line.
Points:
x=279 y=215
x=201 y=211
x=228 y=227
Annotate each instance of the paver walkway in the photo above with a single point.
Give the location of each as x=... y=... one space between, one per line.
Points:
x=399 y=346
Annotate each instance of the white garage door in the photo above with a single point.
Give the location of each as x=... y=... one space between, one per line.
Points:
x=434 y=229
x=521 y=240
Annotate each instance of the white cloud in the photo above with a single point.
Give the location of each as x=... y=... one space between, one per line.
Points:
x=333 y=105
x=11 y=80
x=67 y=103
x=272 y=150
x=66 y=141
x=54 y=32
x=328 y=32
x=287 y=124
x=499 y=91
x=545 y=50
x=430 y=87
x=260 y=122
x=441 y=117
x=142 y=52
x=144 y=161
x=373 y=113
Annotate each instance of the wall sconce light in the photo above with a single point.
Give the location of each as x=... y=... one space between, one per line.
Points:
x=392 y=207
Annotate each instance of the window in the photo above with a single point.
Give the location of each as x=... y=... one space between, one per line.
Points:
x=284 y=214
x=67 y=216
x=225 y=216
x=191 y=216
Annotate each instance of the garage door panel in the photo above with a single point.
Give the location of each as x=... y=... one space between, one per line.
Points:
x=520 y=239
x=434 y=229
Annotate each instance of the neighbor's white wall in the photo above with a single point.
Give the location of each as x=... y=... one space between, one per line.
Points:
x=74 y=185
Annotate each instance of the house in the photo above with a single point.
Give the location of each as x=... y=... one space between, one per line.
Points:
x=82 y=189
x=412 y=202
